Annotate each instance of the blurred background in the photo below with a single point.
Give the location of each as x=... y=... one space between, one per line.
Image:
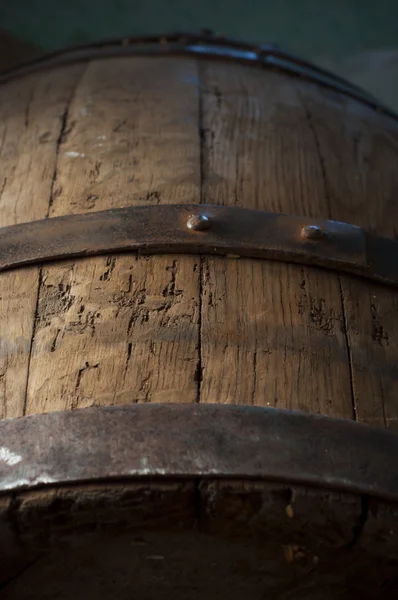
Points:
x=357 y=39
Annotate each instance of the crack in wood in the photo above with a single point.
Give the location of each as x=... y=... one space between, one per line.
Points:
x=62 y=130
x=198 y=377
x=32 y=339
x=349 y=352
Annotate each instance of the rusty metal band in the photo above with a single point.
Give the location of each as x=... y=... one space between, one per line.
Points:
x=197 y=441
x=215 y=230
x=204 y=45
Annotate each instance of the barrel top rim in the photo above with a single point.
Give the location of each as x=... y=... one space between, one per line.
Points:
x=201 y=45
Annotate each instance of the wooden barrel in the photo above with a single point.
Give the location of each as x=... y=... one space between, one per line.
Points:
x=196 y=235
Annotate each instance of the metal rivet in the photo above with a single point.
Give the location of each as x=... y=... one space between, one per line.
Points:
x=198 y=222
x=314 y=232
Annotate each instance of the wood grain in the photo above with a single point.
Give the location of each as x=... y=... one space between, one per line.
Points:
x=29 y=138
x=358 y=147
x=116 y=329
x=272 y=334
x=122 y=329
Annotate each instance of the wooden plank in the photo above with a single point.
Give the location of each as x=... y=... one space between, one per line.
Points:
x=271 y=334
x=359 y=148
x=29 y=137
x=122 y=329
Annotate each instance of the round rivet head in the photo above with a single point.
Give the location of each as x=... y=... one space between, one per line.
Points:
x=198 y=222
x=313 y=232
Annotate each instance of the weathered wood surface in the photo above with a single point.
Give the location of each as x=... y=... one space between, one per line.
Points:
x=281 y=326
x=122 y=329
x=31 y=120
x=97 y=325
x=110 y=330
x=361 y=181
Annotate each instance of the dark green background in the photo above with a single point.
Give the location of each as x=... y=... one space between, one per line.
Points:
x=309 y=27
x=358 y=38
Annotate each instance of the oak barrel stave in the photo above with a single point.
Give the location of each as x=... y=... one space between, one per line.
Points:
x=123 y=329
